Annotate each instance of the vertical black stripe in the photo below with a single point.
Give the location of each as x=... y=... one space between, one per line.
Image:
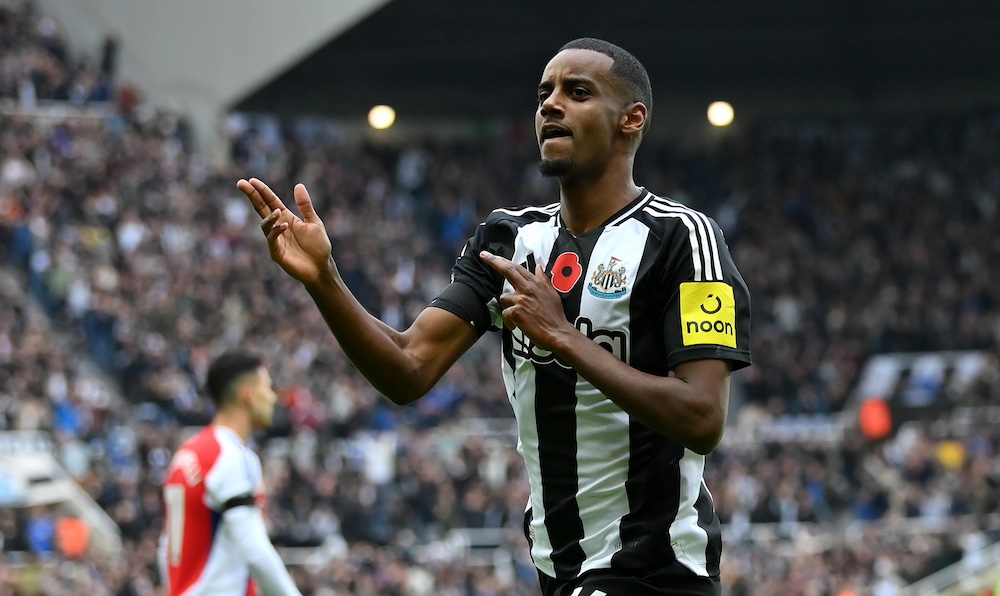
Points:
x=527 y=527
x=555 y=415
x=653 y=489
x=654 y=473
x=709 y=521
x=507 y=347
x=529 y=263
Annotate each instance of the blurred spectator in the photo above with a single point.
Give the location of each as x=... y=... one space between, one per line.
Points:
x=40 y=532
x=72 y=535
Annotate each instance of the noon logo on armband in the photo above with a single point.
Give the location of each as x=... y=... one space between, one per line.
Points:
x=708 y=313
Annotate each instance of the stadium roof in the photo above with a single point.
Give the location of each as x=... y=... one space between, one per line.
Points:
x=460 y=59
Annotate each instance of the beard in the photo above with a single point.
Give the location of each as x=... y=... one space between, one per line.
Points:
x=555 y=168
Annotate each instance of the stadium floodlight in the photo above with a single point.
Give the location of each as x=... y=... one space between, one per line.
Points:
x=720 y=113
x=381 y=117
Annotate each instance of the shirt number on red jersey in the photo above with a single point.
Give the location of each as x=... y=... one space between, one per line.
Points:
x=173 y=499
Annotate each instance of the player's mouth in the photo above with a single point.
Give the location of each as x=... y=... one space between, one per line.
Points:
x=553 y=131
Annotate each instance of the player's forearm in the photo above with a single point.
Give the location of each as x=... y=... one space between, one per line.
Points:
x=376 y=349
x=686 y=413
x=271 y=576
x=245 y=529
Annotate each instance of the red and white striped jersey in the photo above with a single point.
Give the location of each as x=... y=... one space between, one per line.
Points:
x=211 y=472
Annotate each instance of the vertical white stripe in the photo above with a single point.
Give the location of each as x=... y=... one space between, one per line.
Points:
x=602 y=427
x=703 y=240
x=536 y=238
x=717 y=258
x=687 y=538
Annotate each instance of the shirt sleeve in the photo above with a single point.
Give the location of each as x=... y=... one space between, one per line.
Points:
x=245 y=528
x=235 y=475
x=475 y=288
x=707 y=314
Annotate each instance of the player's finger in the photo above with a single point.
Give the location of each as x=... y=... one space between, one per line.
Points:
x=269 y=221
x=507 y=300
x=270 y=199
x=255 y=199
x=305 y=204
x=515 y=274
x=275 y=232
x=507 y=314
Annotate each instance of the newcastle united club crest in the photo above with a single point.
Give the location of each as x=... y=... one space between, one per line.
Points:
x=609 y=282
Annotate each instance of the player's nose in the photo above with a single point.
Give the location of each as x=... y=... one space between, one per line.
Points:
x=551 y=105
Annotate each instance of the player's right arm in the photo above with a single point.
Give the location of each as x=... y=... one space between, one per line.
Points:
x=403 y=365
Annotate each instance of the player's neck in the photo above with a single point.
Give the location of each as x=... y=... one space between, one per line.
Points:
x=587 y=202
x=238 y=422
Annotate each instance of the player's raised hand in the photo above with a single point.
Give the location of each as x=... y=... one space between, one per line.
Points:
x=300 y=245
x=534 y=306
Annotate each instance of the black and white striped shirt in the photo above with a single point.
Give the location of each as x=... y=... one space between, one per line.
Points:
x=656 y=286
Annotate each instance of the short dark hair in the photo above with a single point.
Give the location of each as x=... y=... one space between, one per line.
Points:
x=627 y=69
x=226 y=369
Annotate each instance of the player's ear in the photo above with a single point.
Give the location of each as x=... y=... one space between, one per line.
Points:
x=244 y=394
x=634 y=118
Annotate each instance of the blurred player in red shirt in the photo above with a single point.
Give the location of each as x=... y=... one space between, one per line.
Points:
x=215 y=541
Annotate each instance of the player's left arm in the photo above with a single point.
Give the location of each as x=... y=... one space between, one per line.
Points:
x=244 y=525
x=232 y=491
x=690 y=408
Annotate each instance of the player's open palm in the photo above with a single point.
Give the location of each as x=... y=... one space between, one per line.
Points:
x=300 y=245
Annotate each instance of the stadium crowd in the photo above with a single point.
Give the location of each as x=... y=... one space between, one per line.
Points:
x=124 y=248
